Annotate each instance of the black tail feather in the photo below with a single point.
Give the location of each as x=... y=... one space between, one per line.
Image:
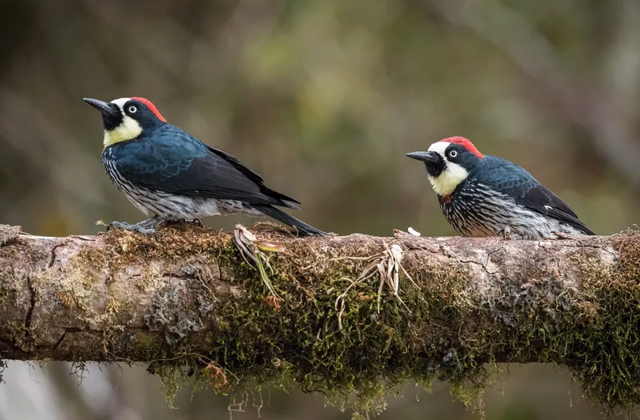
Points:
x=279 y=215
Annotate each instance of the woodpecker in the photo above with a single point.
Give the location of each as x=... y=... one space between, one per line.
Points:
x=488 y=196
x=170 y=175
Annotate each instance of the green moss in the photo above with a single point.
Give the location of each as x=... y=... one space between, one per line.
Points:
x=605 y=351
x=299 y=340
x=592 y=328
x=256 y=343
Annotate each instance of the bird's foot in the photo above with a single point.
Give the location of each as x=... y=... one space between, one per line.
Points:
x=561 y=235
x=146 y=227
x=183 y=222
x=507 y=235
x=137 y=227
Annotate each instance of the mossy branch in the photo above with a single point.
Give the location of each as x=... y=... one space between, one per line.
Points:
x=329 y=318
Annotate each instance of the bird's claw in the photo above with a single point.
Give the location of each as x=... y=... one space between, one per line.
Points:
x=505 y=233
x=181 y=222
x=143 y=227
x=562 y=235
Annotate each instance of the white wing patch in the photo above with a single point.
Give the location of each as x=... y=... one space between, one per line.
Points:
x=451 y=177
x=548 y=207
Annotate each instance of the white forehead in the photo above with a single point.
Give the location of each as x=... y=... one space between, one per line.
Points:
x=120 y=102
x=439 y=147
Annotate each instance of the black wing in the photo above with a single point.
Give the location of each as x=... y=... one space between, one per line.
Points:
x=177 y=163
x=543 y=201
x=528 y=192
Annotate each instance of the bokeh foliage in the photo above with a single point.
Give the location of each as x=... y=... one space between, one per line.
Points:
x=324 y=98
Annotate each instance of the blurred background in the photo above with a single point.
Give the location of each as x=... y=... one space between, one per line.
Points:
x=323 y=98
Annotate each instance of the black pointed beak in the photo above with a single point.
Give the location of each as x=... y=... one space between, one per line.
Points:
x=429 y=157
x=107 y=109
x=433 y=161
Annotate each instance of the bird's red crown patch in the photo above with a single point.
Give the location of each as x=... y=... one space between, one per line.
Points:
x=151 y=106
x=466 y=143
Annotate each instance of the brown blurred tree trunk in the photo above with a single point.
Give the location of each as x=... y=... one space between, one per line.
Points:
x=324 y=311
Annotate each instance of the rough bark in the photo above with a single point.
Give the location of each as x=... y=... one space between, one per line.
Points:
x=188 y=301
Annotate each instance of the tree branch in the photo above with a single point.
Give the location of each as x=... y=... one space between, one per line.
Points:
x=189 y=302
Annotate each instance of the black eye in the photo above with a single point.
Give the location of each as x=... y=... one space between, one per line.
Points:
x=132 y=109
x=453 y=154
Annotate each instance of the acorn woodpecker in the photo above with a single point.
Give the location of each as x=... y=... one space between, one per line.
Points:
x=170 y=175
x=489 y=196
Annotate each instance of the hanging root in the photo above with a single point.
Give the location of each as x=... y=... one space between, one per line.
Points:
x=388 y=265
x=254 y=250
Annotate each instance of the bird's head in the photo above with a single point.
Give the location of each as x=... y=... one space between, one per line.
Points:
x=449 y=162
x=126 y=118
